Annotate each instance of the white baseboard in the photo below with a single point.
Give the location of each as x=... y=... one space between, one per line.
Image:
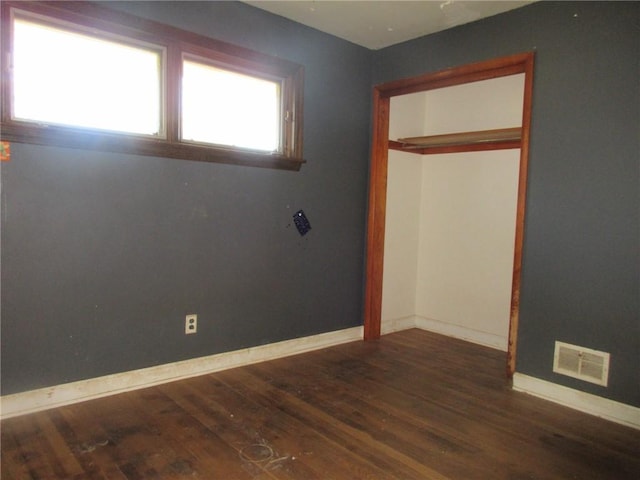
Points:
x=585 y=402
x=69 y=393
x=463 y=333
x=397 y=324
x=456 y=331
x=66 y=394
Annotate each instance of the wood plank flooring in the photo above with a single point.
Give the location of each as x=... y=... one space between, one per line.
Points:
x=413 y=405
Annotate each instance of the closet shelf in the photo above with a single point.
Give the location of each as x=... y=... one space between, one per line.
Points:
x=464 y=141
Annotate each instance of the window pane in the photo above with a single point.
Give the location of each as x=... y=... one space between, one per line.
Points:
x=67 y=78
x=228 y=108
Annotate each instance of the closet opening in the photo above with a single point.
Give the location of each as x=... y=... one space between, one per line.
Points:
x=390 y=139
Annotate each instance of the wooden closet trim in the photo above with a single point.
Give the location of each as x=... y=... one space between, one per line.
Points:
x=500 y=67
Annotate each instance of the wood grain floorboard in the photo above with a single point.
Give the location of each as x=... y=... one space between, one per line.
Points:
x=413 y=405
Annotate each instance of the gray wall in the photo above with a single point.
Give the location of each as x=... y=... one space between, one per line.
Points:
x=580 y=278
x=104 y=254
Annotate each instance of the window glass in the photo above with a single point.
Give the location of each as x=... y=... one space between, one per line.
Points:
x=84 y=76
x=67 y=78
x=227 y=108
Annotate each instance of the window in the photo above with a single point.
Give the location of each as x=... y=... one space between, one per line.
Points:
x=83 y=76
x=228 y=108
x=67 y=78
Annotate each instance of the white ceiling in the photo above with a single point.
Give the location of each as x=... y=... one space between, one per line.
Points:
x=379 y=24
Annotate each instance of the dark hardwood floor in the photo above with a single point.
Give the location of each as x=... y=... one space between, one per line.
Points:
x=413 y=405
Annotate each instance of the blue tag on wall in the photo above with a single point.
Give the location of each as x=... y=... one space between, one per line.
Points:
x=302 y=224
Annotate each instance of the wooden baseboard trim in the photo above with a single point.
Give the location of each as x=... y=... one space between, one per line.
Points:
x=74 y=392
x=585 y=402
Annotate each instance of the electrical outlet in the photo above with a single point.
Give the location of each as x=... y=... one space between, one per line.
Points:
x=191 y=324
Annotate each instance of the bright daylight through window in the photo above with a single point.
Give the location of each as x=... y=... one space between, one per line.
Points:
x=81 y=75
x=67 y=78
x=228 y=108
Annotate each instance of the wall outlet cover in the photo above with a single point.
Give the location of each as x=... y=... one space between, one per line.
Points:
x=191 y=324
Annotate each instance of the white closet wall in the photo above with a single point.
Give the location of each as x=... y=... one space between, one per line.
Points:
x=402 y=237
x=450 y=221
x=402 y=229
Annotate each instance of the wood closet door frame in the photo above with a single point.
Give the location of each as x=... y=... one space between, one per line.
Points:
x=500 y=67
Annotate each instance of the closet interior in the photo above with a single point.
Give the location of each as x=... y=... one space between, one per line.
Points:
x=451 y=207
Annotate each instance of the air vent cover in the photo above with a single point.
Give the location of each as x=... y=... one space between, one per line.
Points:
x=582 y=363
